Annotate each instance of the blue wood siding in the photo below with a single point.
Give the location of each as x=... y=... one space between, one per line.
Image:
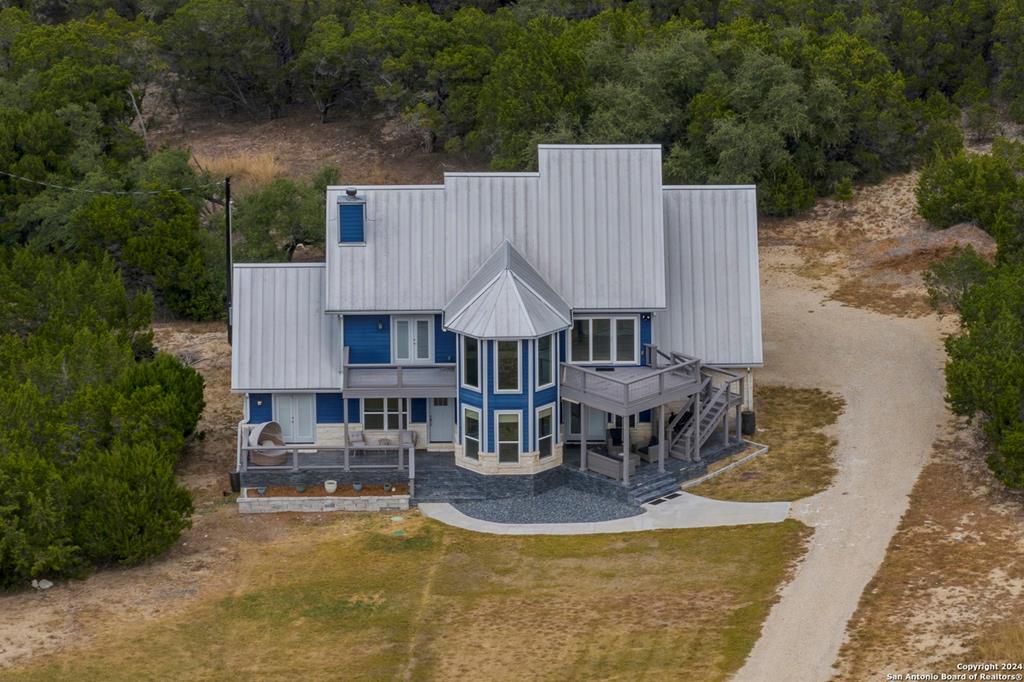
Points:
x=352 y=221
x=418 y=411
x=645 y=335
x=262 y=412
x=518 y=402
x=330 y=410
x=368 y=338
x=444 y=342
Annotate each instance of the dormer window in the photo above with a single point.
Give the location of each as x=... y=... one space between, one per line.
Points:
x=351 y=218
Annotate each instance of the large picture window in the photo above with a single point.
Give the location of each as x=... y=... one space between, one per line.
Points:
x=545 y=431
x=545 y=361
x=471 y=433
x=508 y=437
x=604 y=339
x=470 y=362
x=507 y=361
x=384 y=413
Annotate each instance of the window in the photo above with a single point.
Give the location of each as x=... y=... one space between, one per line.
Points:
x=470 y=362
x=351 y=220
x=508 y=437
x=384 y=413
x=507 y=359
x=545 y=361
x=413 y=339
x=545 y=430
x=625 y=339
x=604 y=339
x=471 y=432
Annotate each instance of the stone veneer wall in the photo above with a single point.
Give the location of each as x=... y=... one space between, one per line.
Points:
x=529 y=462
x=268 y=505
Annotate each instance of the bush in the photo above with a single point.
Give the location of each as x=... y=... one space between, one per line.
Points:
x=90 y=428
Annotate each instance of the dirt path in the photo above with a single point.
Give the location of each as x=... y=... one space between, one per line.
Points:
x=889 y=371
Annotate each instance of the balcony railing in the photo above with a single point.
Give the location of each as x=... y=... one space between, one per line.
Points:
x=428 y=380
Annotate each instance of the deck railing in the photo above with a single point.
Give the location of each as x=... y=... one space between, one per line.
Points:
x=426 y=380
x=313 y=456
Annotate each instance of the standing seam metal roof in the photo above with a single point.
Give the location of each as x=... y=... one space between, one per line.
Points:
x=590 y=221
x=507 y=299
x=714 y=291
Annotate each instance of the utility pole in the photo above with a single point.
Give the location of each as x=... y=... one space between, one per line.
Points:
x=227 y=247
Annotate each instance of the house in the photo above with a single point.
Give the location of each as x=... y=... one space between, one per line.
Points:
x=509 y=326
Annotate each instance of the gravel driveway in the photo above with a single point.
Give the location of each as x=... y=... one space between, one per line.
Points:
x=889 y=370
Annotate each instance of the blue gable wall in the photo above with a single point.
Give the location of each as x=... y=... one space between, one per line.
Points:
x=367 y=343
x=260 y=413
x=444 y=342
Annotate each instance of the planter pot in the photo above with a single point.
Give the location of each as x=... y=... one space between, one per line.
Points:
x=261 y=491
x=300 y=488
x=330 y=486
x=357 y=486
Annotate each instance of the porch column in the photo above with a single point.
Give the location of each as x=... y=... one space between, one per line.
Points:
x=344 y=412
x=583 y=436
x=625 y=449
x=662 y=444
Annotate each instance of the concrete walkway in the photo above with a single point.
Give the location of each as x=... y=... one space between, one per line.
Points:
x=685 y=511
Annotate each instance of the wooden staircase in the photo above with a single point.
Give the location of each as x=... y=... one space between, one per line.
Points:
x=691 y=427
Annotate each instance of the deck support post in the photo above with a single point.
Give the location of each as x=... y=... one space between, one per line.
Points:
x=412 y=470
x=583 y=436
x=344 y=412
x=625 y=450
x=662 y=443
x=697 y=416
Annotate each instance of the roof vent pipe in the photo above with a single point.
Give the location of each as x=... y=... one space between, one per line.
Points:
x=351 y=191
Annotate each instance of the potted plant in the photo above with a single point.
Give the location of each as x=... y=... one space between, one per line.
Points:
x=330 y=487
x=357 y=486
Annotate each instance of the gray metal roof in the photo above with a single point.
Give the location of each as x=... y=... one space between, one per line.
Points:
x=507 y=299
x=590 y=221
x=714 y=293
x=282 y=338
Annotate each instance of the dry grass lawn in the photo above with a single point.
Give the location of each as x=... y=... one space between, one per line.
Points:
x=367 y=597
x=799 y=463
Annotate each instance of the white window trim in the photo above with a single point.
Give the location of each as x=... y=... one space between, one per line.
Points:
x=403 y=412
x=536 y=429
x=412 y=320
x=480 y=430
x=462 y=363
x=614 y=341
x=519 y=368
x=554 y=361
x=497 y=437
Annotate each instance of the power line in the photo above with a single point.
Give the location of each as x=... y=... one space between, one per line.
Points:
x=116 y=192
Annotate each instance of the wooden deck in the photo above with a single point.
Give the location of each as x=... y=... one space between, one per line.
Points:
x=628 y=390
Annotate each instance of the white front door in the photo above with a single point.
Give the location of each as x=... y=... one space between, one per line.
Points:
x=413 y=340
x=296 y=414
x=442 y=419
x=597 y=422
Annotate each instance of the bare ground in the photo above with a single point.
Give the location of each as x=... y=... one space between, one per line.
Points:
x=953 y=576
